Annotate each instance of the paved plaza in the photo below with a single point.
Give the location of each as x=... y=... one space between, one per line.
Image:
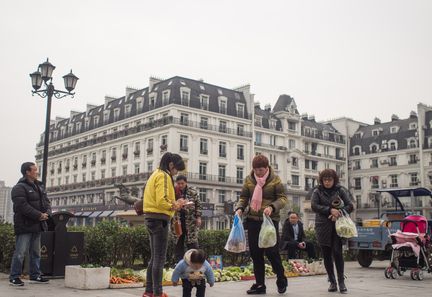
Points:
x=361 y=282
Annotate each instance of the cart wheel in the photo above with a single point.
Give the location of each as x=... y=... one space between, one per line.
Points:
x=393 y=273
x=413 y=275
x=387 y=272
x=420 y=275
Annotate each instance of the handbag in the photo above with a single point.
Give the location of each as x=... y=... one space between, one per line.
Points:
x=139 y=207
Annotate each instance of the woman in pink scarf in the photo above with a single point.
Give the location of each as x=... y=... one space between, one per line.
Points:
x=263 y=193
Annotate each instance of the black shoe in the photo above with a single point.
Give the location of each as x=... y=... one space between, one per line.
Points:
x=39 y=280
x=257 y=290
x=16 y=282
x=342 y=288
x=333 y=287
x=282 y=285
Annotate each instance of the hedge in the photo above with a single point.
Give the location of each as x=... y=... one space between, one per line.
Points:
x=7 y=245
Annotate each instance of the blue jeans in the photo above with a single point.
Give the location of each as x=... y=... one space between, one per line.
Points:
x=29 y=242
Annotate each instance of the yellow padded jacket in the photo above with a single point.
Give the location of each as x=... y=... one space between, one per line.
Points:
x=159 y=196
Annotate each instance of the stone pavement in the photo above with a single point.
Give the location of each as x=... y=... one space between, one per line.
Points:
x=361 y=282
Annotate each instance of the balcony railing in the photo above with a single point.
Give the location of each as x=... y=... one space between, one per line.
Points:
x=140 y=128
x=331 y=137
x=282 y=148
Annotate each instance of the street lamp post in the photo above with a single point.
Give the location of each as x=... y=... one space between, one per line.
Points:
x=44 y=75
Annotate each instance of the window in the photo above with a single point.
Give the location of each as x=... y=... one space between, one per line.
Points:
x=84 y=177
x=102 y=173
x=222 y=106
x=314 y=165
x=221 y=195
x=93 y=175
x=240 y=110
x=240 y=152
x=139 y=105
x=294 y=161
x=150 y=166
x=222 y=173
x=375 y=132
x=222 y=149
x=356 y=150
x=124 y=170
x=412 y=143
x=339 y=171
x=203 y=146
x=374 y=148
x=258 y=121
x=273 y=140
x=204 y=123
x=203 y=171
x=125 y=152
x=375 y=182
x=240 y=130
x=291 y=144
x=137 y=149
x=394 y=181
x=295 y=180
x=307 y=164
x=165 y=98
x=184 y=119
x=221 y=225
x=238 y=194
x=150 y=146
x=413 y=126
x=292 y=126
x=116 y=114
x=164 y=141
x=183 y=143
x=185 y=98
x=66 y=180
x=202 y=194
x=374 y=163
x=240 y=172
x=204 y=102
x=414 y=179
x=70 y=129
x=258 y=138
x=412 y=159
x=84 y=162
x=357 y=183
x=393 y=161
x=75 y=178
x=393 y=145
x=272 y=124
x=222 y=127
x=357 y=165
x=127 y=110
x=394 y=129
x=152 y=102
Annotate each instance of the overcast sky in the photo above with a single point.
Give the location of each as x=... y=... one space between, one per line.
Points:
x=358 y=59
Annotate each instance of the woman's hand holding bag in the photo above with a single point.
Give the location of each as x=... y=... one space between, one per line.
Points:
x=237 y=239
x=267 y=235
x=345 y=227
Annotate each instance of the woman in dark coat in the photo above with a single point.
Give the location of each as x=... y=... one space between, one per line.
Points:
x=329 y=199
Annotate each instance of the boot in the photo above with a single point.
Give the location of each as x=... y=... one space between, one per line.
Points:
x=333 y=286
x=282 y=285
x=342 y=288
x=257 y=290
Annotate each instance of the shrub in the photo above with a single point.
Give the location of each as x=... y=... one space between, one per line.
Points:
x=7 y=246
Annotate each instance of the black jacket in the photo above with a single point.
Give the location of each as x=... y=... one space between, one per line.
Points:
x=321 y=204
x=288 y=232
x=29 y=202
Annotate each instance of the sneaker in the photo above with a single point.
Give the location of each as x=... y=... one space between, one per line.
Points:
x=257 y=290
x=282 y=285
x=39 y=280
x=16 y=282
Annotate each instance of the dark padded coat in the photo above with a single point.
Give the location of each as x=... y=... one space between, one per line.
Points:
x=29 y=202
x=321 y=205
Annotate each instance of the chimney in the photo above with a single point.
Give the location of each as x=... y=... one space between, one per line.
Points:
x=304 y=116
x=394 y=118
x=129 y=90
x=312 y=118
x=413 y=114
x=58 y=119
x=108 y=100
x=90 y=107
x=73 y=113
x=377 y=121
x=267 y=107
x=152 y=81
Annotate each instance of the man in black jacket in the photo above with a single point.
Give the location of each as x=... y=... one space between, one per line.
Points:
x=293 y=237
x=31 y=211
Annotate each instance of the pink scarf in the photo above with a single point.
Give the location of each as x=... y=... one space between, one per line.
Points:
x=257 y=196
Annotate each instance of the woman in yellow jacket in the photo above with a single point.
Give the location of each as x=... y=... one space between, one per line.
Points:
x=159 y=207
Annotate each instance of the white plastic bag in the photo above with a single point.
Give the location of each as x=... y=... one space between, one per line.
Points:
x=345 y=227
x=237 y=239
x=267 y=235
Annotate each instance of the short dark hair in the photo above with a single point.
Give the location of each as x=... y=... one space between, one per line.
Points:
x=328 y=173
x=176 y=159
x=260 y=161
x=181 y=177
x=198 y=257
x=293 y=212
x=26 y=166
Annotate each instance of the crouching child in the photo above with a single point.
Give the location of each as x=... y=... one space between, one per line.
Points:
x=195 y=272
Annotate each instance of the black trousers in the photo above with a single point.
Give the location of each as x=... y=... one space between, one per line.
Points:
x=293 y=247
x=188 y=286
x=334 y=253
x=257 y=254
x=180 y=246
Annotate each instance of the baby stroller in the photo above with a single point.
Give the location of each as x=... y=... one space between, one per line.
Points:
x=411 y=249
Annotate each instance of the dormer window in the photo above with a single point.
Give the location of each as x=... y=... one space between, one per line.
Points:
x=96 y=121
x=358 y=135
x=152 y=101
x=204 y=102
x=222 y=105
x=106 y=116
x=375 y=132
x=412 y=143
x=140 y=104
x=374 y=148
x=258 y=121
x=165 y=97
x=87 y=123
x=240 y=110
x=272 y=124
x=394 y=129
x=127 y=110
x=116 y=114
x=78 y=127
x=413 y=126
x=357 y=150
x=392 y=145
x=185 y=98
x=70 y=129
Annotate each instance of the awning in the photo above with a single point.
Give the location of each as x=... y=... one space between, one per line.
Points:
x=78 y=214
x=95 y=214
x=106 y=213
x=86 y=213
x=115 y=213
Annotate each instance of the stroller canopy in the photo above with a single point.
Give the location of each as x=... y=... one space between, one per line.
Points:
x=412 y=222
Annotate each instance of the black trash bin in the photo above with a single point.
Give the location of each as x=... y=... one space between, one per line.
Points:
x=60 y=247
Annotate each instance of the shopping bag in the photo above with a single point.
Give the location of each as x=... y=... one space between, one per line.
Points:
x=345 y=227
x=237 y=239
x=267 y=236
